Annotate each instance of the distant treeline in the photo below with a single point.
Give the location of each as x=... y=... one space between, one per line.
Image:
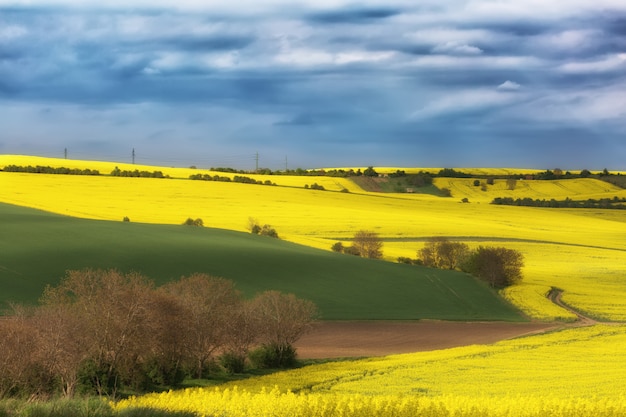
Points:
x=236 y=178
x=138 y=174
x=603 y=203
x=50 y=170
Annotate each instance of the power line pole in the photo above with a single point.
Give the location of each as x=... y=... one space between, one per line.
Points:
x=133 y=156
x=286 y=166
x=65 y=153
x=256 y=158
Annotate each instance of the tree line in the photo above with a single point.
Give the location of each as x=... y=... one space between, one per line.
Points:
x=100 y=331
x=39 y=169
x=236 y=178
x=498 y=266
x=602 y=203
x=137 y=174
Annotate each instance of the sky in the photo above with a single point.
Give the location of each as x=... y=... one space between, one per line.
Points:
x=317 y=83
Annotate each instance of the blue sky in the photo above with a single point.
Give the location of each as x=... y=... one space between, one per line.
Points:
x=508 y=83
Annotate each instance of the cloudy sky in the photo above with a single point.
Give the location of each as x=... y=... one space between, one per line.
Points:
x=453 y=83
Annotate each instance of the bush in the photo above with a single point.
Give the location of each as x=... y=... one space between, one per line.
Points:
x=405 y=260
x=337 y=247
x=233 y=362
x=268 y=230
x=351 y=250
x=315 y=186
x=191 y=222
x=273 y=356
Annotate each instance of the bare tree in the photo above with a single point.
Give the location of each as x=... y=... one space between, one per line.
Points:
x=243 y=333
x=62 y=342
x=283 y=318
x=511 y=183
x=168 y=330
x=114 y=309
x=16 y=354
x=208 y=302
x=368 y=244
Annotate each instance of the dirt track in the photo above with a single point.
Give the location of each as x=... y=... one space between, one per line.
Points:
x=379 y=338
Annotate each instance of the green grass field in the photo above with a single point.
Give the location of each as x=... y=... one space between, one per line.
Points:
x=36 y=248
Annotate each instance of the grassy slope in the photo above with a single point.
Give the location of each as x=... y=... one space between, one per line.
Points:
x=36 y=248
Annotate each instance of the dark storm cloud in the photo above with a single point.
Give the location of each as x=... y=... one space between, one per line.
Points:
x=478 y=83
x=352 y=15
x=210 y=43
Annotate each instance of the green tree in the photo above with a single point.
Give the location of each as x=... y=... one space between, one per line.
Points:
x=498 y=266
x=439 y=252
x=370 y=172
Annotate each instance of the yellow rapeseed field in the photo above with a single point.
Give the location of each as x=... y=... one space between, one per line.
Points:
x=581 y=251
x=576 y=372
x=570 y=373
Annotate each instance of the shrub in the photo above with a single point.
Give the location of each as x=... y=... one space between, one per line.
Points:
x=272 y=356
x=265 y=230
x=191 y=222
x=337 y=247
x=315 y=186
x=233 y=362
x=351 y=250
x=405 y=260
x=268 y=230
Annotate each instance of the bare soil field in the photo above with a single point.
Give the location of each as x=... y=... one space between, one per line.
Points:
x=339 y=339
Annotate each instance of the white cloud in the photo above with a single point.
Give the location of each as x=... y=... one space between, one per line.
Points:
x=457 y=48
x=610 y=63
x=475 y=99
x=509 y=86
x=12 y=32
x=441 y=35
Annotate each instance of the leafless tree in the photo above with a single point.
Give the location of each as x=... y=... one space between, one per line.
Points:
x=284 y=318
x=114 y=308
x=208 y=302
x=62 y=342
x=368 y=244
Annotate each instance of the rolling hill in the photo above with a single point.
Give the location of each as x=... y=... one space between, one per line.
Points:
x=581 y=251
x=36 y=248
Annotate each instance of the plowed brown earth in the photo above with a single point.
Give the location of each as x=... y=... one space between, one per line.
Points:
x=380 y=338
